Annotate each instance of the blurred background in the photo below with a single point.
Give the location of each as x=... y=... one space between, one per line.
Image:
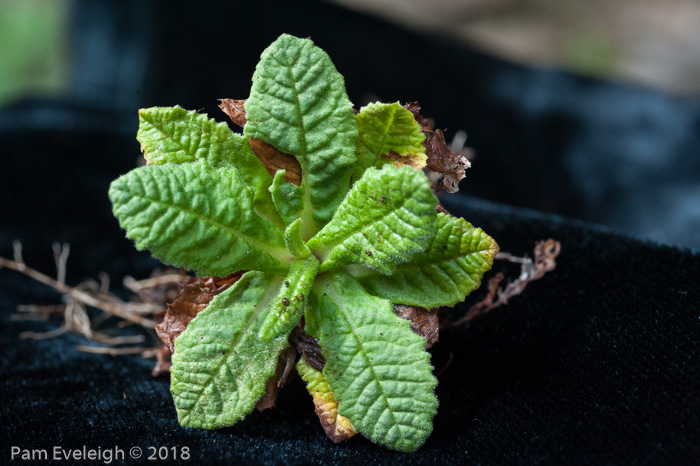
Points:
x=588 y=109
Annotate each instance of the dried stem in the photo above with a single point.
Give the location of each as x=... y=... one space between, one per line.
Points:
x=545 y=255
x=74 y=293
x=145 y=351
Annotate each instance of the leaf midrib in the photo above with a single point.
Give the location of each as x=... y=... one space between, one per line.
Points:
x=263 y=247
x=244 y=332
x=324 y=249
x=308 y=228
x=385 y=134
x=340 y=303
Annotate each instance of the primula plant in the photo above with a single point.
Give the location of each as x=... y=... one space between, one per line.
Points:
x=329 y=222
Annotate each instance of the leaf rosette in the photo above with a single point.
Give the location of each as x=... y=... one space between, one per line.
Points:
x=326 y=256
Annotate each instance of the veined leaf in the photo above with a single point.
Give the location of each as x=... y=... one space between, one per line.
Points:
x=388 y=133
x=387 y=216
x=337 y=427
x=288 y=198
x=175 y=135
x=376 y=366
x=220 y=367
x=291 y=300
x=298 y=104
x=449 y=269
x=197 y=218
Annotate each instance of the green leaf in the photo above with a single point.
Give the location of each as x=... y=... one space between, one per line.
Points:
x=391 y=131
x=449 y=269
x=295 y=245
x=291 y=300
x=220 y=367
x=175 y=135
x=197 y=218
x=388 y=216
x=298 y=104
x=288 y=198
x=376 y=366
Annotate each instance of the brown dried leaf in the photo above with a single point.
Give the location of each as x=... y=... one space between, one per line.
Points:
x=235 y=110
x=308 y=347
x=193 y=299
x=424 y=322
x=162 y=361
x=274 y=160
x=285 y=364
x=440 y=158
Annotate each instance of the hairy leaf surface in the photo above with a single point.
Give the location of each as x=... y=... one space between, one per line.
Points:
x=388 y=216
x=291 y=300
x=288 y=198
x=388 y=133
x=298 y=104
x=175 y=135
x=375 y=365
x=449 y=269
x=220 y=367
x=193 y=217
x=295 y=244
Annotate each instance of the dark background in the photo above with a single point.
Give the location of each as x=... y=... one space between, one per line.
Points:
x=596 y=364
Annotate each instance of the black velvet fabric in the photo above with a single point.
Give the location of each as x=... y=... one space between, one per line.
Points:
x=597 y=363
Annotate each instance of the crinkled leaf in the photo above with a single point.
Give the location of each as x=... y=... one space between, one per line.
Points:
x=298 y=104
x=193 y=217
x=376 y=366
x=442 y=275
x=209 y=386
x=291 y=300
x=338 y=428
x=388 y=133
x=175 y=135
x=388 y=216
x=288 y=198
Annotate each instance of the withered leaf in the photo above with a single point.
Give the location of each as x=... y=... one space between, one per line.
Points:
x=424 y=322
x=440 y=158
x=408 y=159
x=308 y=347
x=270 y=157
x=234 y=109
x=284 y=367
x=192 y=300
x=274 y=160
x=336 y=426
x=162 y=362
